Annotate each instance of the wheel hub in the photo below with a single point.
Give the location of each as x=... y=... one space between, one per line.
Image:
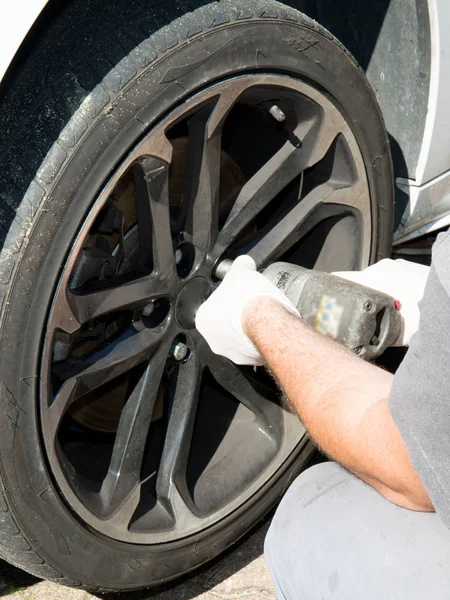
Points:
x=191 y=296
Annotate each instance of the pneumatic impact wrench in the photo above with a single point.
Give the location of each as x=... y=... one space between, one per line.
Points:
x=362 y=319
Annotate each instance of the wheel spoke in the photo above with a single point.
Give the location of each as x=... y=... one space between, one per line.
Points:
x=85 y=307
x=171 y=482
x=354 y=199
x=125 y=468
x=203 y=175
x=306 y=147
x=281 y=236
x=203 y=180
x=231 y=378
x=278 y=172
x=151 y=177
x=84 y=375
x=119 y=521
x=342 y=189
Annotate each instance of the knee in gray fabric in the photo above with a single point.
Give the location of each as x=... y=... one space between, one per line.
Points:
x=274 y=557
x=271 y=544
x=335 y=538
x=290 y=513
x=290 y=548
x=286 y=551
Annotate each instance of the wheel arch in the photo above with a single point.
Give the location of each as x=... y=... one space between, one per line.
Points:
x=392 y=43
x=391 y=28
x=369 y=35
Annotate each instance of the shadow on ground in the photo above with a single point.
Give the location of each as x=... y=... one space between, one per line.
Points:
x=13 y=579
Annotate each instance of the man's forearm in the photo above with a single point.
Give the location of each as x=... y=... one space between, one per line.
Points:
x=341 y=399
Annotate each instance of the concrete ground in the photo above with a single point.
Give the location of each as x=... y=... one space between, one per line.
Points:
x=239 y=573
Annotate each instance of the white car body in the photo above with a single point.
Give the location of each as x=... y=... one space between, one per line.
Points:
x=428 y=191
x=16 y=19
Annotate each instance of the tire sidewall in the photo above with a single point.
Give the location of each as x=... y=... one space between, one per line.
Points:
x=266 y=45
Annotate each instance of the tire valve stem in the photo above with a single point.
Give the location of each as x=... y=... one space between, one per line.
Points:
x=277 y=113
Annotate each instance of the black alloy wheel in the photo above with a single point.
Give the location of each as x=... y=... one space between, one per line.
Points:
x=123 y=314
x=134 y=444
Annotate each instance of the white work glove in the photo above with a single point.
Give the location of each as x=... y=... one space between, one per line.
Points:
x=403 y=280
x=219 y=319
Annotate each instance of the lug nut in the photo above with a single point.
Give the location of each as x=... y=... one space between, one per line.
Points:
x=222 y=268
x=148 y=310
x=178 y=256
x=179 y=351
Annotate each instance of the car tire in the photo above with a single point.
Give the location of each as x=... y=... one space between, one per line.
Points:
x=99 y=79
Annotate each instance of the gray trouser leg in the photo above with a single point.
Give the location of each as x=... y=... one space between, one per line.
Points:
x=334 y=537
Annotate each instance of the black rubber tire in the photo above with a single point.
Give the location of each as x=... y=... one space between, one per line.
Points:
x=101 y=74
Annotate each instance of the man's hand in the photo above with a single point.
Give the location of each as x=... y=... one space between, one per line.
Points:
x=219 y=319
x=403 y=280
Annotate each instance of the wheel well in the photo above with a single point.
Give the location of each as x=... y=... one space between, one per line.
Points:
x=391 y=42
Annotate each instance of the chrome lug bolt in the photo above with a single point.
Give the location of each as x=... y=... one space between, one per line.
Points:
x=148 y=310
x=179 y=351
x=178 y=256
